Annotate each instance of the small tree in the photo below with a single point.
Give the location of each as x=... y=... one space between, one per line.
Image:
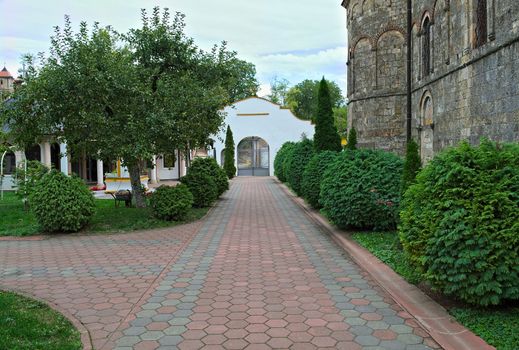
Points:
x=228 y=165
x=412 y=165
x=326 y=137
x=352 y=139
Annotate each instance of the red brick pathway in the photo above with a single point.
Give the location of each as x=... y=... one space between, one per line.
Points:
x=256 y=275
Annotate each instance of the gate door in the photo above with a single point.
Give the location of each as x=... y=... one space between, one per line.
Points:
x=253 y=157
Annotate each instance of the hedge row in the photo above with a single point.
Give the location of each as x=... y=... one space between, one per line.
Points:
x=458 y=220
x=206 y=180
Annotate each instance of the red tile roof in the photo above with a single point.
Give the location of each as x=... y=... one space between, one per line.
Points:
x=4 y=73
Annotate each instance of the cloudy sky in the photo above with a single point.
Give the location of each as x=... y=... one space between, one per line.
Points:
x=291 y=39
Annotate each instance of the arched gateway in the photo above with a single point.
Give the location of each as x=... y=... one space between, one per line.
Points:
x=253 y=157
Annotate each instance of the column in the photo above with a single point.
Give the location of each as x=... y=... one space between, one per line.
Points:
x=100 y=173
x=63 y=158
x=46 y=152
x=153 y=174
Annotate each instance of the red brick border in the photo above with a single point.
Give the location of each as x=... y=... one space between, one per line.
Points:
x=83 y=331
x=442 y=327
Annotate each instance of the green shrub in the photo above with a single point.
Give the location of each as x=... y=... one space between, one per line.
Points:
x=460 y=222
x=61 y=203
x=326 y=137
x=296 y=161
x=26 y=180
x=280 y=159
x=171 y=203
x=360 y=190
x=210 y=167
x=229 y=167
x=352 y=139
x=313 y=176
x=412 y=165
x=202 y=187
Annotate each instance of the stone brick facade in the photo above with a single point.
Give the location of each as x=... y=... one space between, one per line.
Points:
x=465 y=77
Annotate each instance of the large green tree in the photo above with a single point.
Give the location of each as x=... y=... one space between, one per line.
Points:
x=130 y=96
x=302 y=98
x=278 y=90
x=326 y=137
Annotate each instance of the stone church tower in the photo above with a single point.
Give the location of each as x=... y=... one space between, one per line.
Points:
x=465 y=72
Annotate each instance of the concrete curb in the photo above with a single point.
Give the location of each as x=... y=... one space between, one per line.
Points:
x=432 y=317
x=83 y=331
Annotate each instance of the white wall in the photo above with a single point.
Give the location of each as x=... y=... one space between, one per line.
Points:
x=278 y=127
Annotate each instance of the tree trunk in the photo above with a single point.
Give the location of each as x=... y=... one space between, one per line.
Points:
x=135 y=180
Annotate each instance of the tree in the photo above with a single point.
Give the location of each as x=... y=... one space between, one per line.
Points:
x=412 y=165
x=228 y=166
x=340 y=116
x=278 y=90
x=326 y=137
x=352 y=139
x=150 y=91
x=302 y=98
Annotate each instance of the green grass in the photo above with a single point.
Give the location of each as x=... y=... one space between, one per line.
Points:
x=15 y=221
x=498 y=326
x=29 y=324
x=386 y=247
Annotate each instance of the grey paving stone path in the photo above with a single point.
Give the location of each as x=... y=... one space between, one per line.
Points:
x=260 y=275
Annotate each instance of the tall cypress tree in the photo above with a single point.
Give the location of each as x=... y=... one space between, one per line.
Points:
x=412 y=165
x=228 y=165
x=352 y=139
x=326 y=137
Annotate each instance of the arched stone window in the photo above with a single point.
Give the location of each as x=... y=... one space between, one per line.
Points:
x=481 y=23
x=426 y=46
x=427 y=128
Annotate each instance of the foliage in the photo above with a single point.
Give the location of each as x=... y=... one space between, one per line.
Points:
x=26 y=180
x=498 y=327
x=229 y=161
x=412 y=165
x=61 y=203
x=280 y=159
x=278 y=90
x=326 y=137
x=29 y=324
x=107 y=218
x=460 y=222
x=340 y=117
x=313 y=176
x=171 y=203
x=360 y=190
x=203 y=188
x=352 y=139
x=386 y=246
x=302 y=98
x=296 y=161
x=210 y=167
x=150 y=91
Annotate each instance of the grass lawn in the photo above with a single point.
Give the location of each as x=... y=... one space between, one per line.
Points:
x=29 y=324
x=15 y=221
x=498 y=326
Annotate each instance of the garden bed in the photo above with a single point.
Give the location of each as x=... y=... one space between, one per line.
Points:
x=107 y=219
x=30 y=324
x=498 y=326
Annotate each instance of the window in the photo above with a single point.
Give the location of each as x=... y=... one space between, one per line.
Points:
x=426 y=46
x=481 y=23
x=169 y=160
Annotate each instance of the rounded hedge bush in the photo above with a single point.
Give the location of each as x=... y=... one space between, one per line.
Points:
x=171 y=203
x=202 y=187
x=296 y=161
x=280 y=159
x=313 y=176
x=361 y=189
x=460 y=222
x=61 y=203
x=210 y=167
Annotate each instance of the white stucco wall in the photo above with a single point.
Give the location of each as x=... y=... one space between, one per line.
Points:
x=258 y=117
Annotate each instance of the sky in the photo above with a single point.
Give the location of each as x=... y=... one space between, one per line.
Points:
x=287 y=39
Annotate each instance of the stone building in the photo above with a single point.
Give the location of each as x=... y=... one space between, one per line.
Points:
x=465 y=72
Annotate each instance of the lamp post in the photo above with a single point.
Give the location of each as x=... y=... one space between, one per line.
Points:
x=409 y=67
